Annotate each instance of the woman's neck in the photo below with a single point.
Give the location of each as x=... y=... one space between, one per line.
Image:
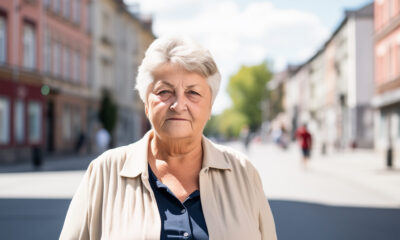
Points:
x=183 y=153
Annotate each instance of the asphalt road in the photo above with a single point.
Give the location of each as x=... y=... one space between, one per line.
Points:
x=42 y=219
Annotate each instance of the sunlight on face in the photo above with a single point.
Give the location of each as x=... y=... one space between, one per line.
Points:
x=178 y=103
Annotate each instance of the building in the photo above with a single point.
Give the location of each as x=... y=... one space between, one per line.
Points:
x=335 y=86
x=42 y=75
x=120 y=39
x=387 y=75
x=66 y=44
x=55 y=57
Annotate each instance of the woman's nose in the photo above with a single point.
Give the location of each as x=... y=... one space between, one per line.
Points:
x=179 y=103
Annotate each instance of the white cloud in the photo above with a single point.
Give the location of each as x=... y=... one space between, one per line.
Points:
x=238 y=35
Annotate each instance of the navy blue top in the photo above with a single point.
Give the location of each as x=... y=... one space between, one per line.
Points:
x=178 y=220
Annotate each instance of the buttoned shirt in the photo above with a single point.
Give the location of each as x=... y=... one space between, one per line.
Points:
x=116 y=202
x=179 y=220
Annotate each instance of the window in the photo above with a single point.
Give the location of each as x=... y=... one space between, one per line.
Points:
x=47 y=52
x=46 y=3
x=390 y=8
x=66 y=8
x=77 y=11
x=35 y=119
x=29 y=46
x=389 y=63
x=19 y=121
x=56 y=5
x=66 y=126
x=383 y=126
x=3 y=39
x=56 y=59
x=4 y=120
x=66 y=62
x=77 y=67
x=88 y=75
x=88 y=17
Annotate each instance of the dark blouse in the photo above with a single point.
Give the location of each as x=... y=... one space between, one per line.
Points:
x=178 y=220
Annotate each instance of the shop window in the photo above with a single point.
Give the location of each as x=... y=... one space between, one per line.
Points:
x=66 y=119
x=35 y=120
x=19 y=121
x=4 y=120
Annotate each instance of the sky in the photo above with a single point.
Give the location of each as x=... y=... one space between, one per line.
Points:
x=248 y=32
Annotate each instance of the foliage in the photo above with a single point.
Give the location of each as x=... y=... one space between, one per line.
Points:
x=247 y=89
x=231 y=122
x=211 y=128
x=108 y=111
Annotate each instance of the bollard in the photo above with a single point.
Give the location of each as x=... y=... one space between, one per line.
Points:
x=389 y=157
x=37 y=157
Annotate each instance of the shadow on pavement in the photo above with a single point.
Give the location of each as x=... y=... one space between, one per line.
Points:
x=42 y=219
x=308 y=221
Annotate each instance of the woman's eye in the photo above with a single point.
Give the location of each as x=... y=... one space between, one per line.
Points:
x=194 y=93
x=163 y=92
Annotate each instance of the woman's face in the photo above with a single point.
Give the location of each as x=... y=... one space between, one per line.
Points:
x=178 y=103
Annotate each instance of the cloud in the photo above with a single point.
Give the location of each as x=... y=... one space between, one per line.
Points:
x=241 y=34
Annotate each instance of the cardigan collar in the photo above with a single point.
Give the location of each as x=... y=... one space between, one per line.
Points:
x=136 y=159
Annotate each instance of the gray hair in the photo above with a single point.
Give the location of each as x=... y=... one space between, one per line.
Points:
x=182 y=51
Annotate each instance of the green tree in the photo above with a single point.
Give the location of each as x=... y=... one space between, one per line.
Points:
x=247 y=89
x=108 y=111
x=231 y=122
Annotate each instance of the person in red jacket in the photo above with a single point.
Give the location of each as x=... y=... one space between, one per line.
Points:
x=305 y=141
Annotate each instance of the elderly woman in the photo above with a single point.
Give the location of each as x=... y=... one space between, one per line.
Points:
x=174 y=183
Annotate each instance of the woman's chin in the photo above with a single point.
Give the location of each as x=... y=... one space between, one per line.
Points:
x=177 y=133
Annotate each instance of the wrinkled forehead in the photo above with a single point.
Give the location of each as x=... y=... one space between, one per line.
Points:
x=173 y=75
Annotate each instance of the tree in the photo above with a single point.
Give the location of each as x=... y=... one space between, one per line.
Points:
x=247 y=89
x=108 y=111
x=231 y=122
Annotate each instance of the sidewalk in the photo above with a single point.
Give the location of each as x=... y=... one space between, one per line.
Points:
x=52 y=163
x=348 y=178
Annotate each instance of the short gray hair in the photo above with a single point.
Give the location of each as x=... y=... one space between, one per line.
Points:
x=182 y=51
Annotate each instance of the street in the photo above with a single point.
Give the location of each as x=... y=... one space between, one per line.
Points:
x=343 y=196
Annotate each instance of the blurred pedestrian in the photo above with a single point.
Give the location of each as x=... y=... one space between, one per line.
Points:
x=102 y=140
x=305 y=141
x=80 y=142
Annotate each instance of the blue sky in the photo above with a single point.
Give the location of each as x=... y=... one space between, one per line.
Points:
x=246 y=32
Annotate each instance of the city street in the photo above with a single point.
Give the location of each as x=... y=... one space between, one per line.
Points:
x=348 y=195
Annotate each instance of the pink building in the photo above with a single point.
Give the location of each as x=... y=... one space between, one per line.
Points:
x=44 y=81
x=387 y=74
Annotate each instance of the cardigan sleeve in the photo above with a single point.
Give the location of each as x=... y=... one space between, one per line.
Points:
x=76 y=224
x=266 y=219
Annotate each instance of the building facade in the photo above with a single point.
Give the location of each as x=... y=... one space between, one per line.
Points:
x=43 y=69
x=120 y=39
x=332 y=91
x=387 y=75
x=55 y=57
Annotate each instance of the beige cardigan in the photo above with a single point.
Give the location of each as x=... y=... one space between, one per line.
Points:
x=115 y=200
